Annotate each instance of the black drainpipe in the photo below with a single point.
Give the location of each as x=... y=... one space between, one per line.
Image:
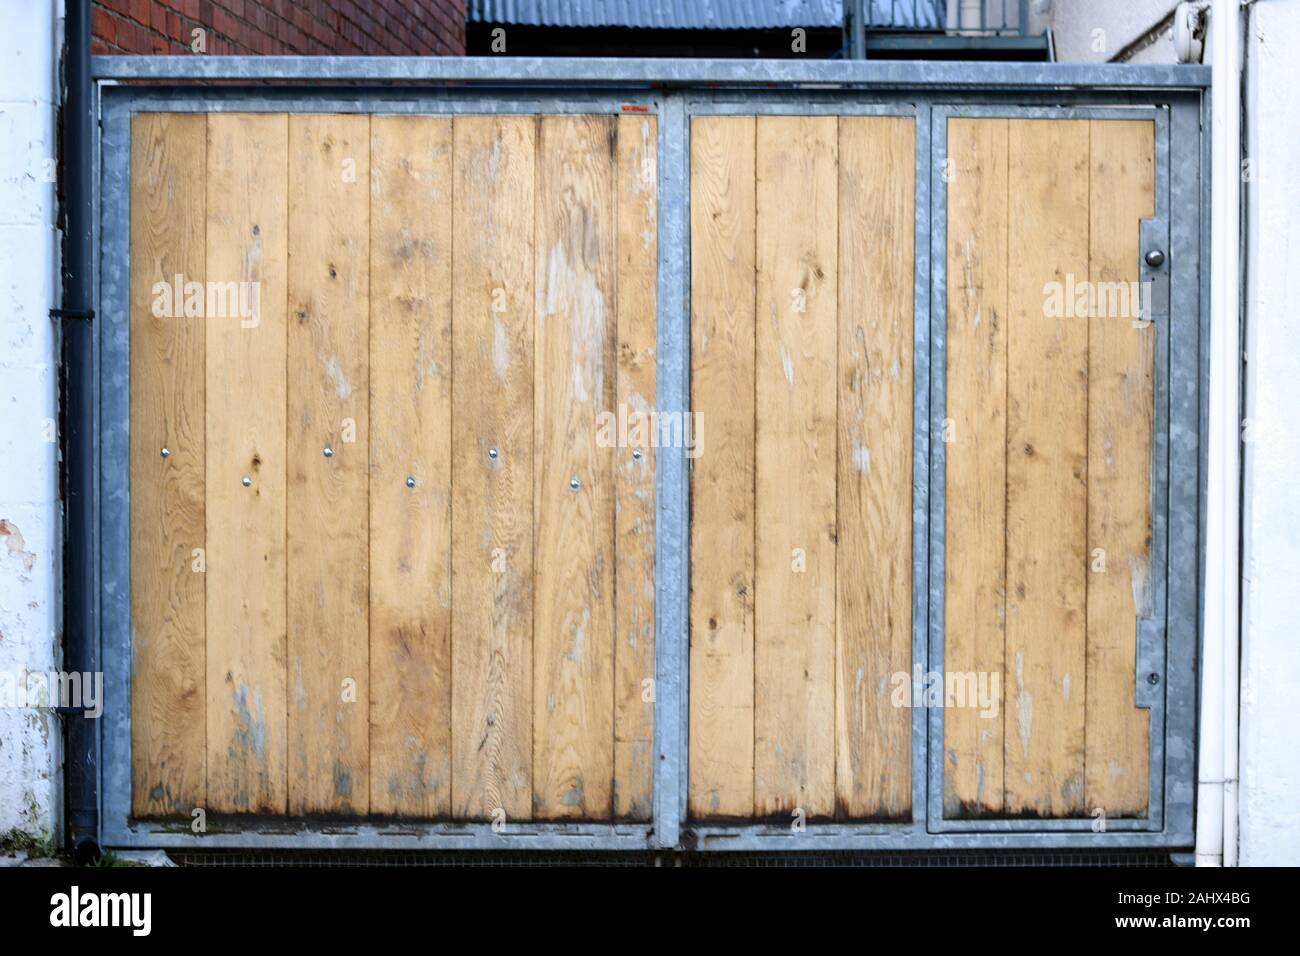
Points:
x=80 y=584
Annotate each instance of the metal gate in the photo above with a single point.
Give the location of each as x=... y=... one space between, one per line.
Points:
x=884 y=534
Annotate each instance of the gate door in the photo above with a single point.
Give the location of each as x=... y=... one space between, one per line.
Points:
x=388 y=554
x=1051 y=556
x=578 y=463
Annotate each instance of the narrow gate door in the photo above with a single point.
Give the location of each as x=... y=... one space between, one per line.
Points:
x=1050 y=385
x=802 y=307
x=392 y=500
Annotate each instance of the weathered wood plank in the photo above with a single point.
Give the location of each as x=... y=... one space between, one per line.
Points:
x=492 y=467
x=794 y=616
x=410 y=465
x=168 y=726
x=721 y=773
x=976 y=457
x=1121 y=412
x=873 y=550
x=636 y=192
x=576 y=374
x=328 y=526
x=1047 y=462
x=247 y=254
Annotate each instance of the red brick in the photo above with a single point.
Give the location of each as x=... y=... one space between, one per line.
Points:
x=223 y=23
x=103 y=25
x=392 y=27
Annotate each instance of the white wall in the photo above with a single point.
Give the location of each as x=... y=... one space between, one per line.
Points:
x=30 y=531
x=1095 y=31
x=1270 y=677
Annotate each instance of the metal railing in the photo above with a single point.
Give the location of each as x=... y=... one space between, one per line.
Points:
x=972 y=17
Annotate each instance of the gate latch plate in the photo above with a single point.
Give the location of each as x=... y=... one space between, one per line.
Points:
x=1153 y=247
x=1149 y=686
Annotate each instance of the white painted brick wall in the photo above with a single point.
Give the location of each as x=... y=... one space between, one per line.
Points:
x=1270 y=674
x=30 y=529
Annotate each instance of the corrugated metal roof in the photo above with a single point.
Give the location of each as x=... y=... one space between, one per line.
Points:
x=701 y=14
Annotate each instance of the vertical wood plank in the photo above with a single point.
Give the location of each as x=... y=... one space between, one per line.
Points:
x=1047 y=461
x=975 y=456
x=247 y=248
x=636 y=191
x=721 y=699
x=1121 y=384
x=492 y=497
x=168 y=726
x=794 y=617
x=575 y=375
x=873 y=550
x=410 y=440
x=328 y=527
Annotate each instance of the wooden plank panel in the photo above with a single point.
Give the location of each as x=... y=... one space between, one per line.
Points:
x=976 y=457
x=636 y=191
x=1121 y=386
x=794 y=616
x=247 y=245
x=1047 y=461
x=168 y=726
x=328 y=527
x=873 y=550
x=492 y=497
x=410 y=440
x=721 y=775
x=575 y=375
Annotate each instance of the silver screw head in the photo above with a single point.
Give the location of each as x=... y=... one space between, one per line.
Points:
x=636 y=454
x=1155 y=258
x=329 y=452
x=247 y=481
x=165 y=453
x=574 y=483
x=492 y=453
x=410 y=481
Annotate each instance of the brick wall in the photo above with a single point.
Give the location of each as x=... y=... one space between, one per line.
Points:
x=393 y=27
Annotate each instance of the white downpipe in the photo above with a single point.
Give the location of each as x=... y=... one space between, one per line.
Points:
x=1216 y=804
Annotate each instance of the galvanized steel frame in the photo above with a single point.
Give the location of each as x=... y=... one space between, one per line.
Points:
x=676 y=90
